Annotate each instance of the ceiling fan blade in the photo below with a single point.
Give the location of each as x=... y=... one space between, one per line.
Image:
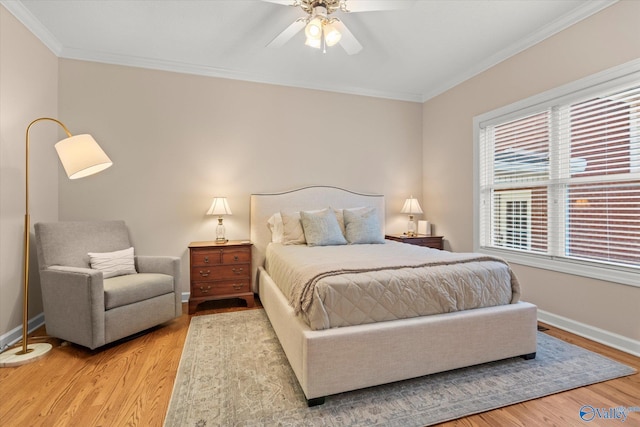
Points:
x=288 y=33
x=348 y=41
x=282 y=2
x=373 y=5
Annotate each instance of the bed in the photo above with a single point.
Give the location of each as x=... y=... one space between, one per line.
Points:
x=328 y=357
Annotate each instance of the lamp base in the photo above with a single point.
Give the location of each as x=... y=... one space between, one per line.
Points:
x=411 y=227
x=221 y=241
x=11 y=357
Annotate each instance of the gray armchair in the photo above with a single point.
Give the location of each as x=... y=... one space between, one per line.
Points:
x=81 y=306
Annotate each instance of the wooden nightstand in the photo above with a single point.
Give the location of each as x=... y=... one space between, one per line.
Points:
x=220 y=271
x=434 y=242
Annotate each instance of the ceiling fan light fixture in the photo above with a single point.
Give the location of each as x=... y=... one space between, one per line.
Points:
x=331 y=34
x=313 y=30
x=314 y=43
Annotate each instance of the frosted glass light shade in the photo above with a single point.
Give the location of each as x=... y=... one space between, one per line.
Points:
x=314 y=43
x=331 y=35
x=81 y=156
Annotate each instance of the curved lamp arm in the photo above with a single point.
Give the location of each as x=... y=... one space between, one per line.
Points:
x=80 y=156
x=26 y=157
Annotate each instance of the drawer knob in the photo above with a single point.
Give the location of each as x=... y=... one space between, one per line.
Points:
x=238 y=286
x=235 y=258
x=237 y=270
x=205 y=273
x=205 y=291
x=206 y=260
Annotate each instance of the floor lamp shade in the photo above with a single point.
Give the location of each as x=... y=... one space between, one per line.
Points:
x=80 y=156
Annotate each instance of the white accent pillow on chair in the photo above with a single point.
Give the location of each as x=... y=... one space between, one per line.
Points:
x=112 y=264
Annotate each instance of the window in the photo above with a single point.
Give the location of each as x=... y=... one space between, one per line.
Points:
x=559 y=181
x=513 y=221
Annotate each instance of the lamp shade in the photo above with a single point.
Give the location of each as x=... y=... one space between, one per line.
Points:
x=331 y=34
x=313 y=30
x=314 y=43
x=411 y=206
x=81 y=156
x=219 y=206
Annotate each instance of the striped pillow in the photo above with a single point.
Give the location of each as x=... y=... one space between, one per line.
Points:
x=113 y=264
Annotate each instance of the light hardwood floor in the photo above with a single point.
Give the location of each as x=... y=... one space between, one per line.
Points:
x=130 y=384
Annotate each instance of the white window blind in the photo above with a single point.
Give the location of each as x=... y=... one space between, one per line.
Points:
x=564 y=181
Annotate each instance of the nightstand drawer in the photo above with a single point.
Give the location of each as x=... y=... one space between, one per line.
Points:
x=206 y=257
x=221 y=272
x=220 y=256
x=204 y=289
x=235 y=256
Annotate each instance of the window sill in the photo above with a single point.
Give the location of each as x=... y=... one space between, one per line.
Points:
x=622 y=275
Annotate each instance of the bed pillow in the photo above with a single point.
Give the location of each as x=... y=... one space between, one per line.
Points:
x=322 y=228
x=112 y=264
x=362 y=226
x=292 y=232
x=340 y=216
x=275 y=225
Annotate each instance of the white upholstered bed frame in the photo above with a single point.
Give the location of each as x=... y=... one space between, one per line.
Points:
x=336 y=360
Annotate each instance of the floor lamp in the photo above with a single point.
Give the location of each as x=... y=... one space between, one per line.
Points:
x=80 y=156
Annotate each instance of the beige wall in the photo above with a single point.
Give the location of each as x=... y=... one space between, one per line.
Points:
x=177 y=140
x=28 y=90
x=607 y=39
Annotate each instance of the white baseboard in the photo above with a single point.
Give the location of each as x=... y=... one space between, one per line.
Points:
x=607 y=338
x=15 y=335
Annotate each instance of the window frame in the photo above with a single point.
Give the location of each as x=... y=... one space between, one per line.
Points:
x=610 y=79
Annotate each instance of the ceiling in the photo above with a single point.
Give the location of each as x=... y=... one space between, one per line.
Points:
x=411 y=54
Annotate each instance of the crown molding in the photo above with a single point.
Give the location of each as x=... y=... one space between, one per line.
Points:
x=202 y=70
x=27 y=19
x=43 y=34
x=586 y=10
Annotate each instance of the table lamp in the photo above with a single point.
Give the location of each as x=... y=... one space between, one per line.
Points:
x=411 y=207
x=220 y=207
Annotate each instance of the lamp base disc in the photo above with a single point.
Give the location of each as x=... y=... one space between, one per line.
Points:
x=11 y=357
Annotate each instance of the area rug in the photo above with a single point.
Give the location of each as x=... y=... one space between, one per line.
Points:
x=233 y=372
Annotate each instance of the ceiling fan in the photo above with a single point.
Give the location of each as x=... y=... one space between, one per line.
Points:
x=321 y=29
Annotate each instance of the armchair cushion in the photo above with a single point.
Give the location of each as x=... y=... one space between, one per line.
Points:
x=133 y=288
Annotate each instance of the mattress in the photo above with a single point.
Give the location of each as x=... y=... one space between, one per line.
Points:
x=345 y=285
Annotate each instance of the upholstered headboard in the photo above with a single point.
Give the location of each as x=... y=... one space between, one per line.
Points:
x=308 y=198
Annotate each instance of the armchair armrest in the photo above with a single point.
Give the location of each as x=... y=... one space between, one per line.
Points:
x=165 y=265
x=74 y=304
x=78 y=270
x=159 y=264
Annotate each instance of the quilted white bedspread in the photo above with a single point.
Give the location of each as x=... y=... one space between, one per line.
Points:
x=334 y=286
